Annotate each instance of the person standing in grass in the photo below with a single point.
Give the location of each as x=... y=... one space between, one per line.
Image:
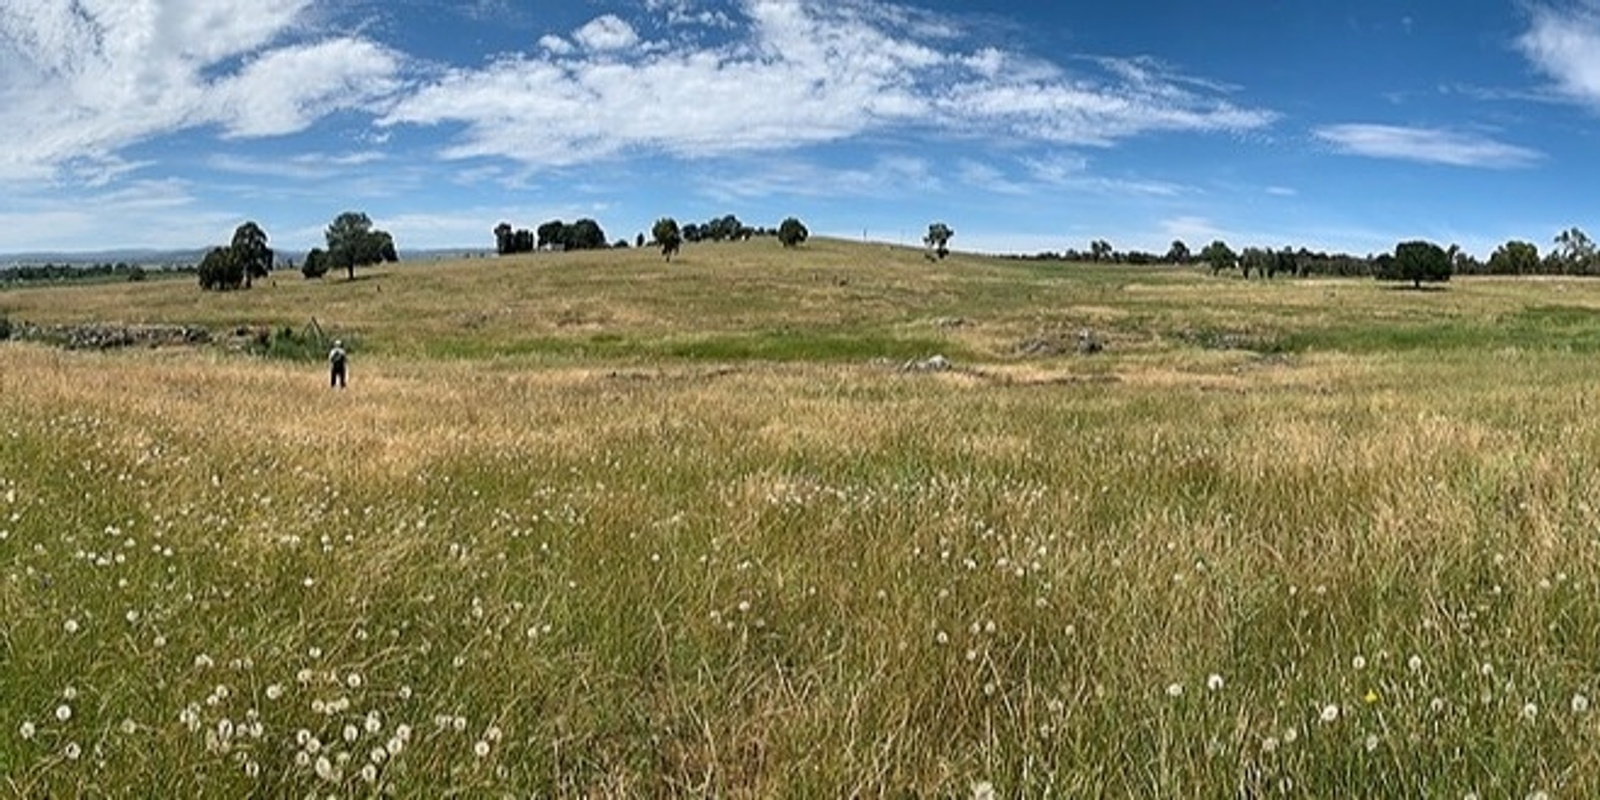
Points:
x=336 y=364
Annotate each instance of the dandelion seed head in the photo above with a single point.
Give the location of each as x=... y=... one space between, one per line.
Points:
x=27 y=730
x=72 y=751
x=1330 y=713
x=1580 y=704
x=1174 y=689
x=70 y=626
x=1214 y=682
x=63 y=712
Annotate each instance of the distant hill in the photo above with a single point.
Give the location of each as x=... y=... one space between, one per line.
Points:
x=145 y=258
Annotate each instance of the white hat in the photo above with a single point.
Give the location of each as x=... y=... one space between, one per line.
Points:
x=338 y=343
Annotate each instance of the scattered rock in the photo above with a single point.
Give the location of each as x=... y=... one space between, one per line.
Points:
x=1040 y=347
x=935 y=364
x=107 y=337
x=1089 y=343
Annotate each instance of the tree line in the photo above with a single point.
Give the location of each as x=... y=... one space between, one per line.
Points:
x=1572 y=253
x=25 y=273
x=586 y=234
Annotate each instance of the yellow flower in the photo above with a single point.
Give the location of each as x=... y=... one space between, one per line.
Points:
x=1372 y=696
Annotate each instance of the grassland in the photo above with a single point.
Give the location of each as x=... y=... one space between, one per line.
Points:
x=596 y=525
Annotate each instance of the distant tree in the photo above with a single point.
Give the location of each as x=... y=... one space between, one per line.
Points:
x=1178 y=253
x=316 y=264
x=620 y=244
x=1576 y=253
x=503 y=240
x=1462 y=262
x=1282 y=261
x=353 y=242
x=938 y=239
x=668 y=236
x=250 y=249
x=726 y=228
x=1416 y=262
x=585 y=234
x=551 y=233
x=792 y=232
x=639 y=242
x=1257 y=260
x=1219 y=256
x=1514 y=258
x=1101 y=250
x=221 y=270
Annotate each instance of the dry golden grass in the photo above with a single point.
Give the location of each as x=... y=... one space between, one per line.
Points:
x=574 y=555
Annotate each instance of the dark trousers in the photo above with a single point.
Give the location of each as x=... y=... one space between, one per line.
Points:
x=337 y=378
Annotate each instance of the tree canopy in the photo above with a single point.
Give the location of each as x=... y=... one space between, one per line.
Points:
x=508 y=240
x=316 y=263
x=792 y=232
x=1219 y=255
x=1178 y=253
x=221 y=270
x=938 y=239
x=1416 y=261
x=585 y=234
x=668 y=236
x=234 y=265
x=353 y=242
x=250 y=248
x=1515 y=258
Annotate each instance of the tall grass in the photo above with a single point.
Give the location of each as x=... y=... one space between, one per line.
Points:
x=1201 y=573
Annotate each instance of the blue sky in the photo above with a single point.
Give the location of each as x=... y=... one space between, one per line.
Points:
x=1025 y=126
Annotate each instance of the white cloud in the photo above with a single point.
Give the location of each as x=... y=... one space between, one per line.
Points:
x=796 y=72
x=1193 y=230
x=287 y=89
x=158 y=214
x=87 y=79
x=556 y=45
x=889 y=176
x=1428 y=145
x=606 y=33
x=1563 y=43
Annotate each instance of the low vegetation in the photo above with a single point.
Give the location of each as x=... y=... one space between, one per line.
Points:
x=593 y=524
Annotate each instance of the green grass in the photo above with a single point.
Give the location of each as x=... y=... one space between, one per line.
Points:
x=597 y=525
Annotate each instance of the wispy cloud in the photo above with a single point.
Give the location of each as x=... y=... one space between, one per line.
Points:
x=795 y=73
x=889 y=176
x=141 y=213
x=1562 y=42
x=1427 y=145
x=86 y=80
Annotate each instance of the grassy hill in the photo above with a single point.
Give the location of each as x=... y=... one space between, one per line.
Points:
x=594 y=524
